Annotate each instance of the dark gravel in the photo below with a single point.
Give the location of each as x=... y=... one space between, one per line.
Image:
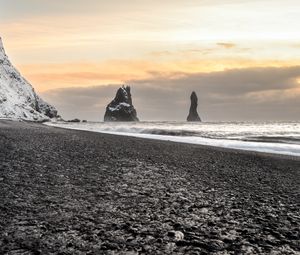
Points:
x=75 y=192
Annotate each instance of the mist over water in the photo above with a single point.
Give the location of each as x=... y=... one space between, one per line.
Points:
x=270 y=137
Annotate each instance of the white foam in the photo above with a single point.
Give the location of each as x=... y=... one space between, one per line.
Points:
x=130 y=130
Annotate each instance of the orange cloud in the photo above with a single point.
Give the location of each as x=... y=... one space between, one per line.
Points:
x=83 y=74
x=226 y=45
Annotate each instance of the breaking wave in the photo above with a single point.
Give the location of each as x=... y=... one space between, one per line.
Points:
x=271 y=137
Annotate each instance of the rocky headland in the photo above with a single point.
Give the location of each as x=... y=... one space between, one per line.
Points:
x=18 y=100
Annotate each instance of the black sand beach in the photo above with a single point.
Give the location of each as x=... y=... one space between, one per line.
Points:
x=75 y=192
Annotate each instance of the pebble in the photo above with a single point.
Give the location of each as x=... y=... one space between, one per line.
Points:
x=177 y=235
x=204 y=210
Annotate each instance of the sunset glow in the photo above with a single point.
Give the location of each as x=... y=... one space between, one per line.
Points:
x=236 y=54
x=73 y=43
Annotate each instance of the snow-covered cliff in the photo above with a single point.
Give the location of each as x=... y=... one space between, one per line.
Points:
x=18 y=99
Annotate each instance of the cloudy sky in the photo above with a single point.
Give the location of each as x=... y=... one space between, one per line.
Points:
x=242 y=57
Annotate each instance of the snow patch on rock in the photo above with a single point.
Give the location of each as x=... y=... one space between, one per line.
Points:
x=18 y=99
x=121 y=107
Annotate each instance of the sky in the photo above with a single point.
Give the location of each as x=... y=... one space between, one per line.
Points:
x=241 y=57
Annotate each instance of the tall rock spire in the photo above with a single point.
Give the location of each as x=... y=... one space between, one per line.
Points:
x=193 y=114
x=121 y=108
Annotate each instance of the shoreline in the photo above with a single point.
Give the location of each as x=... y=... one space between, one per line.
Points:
x=220 y=148
x=80 y=192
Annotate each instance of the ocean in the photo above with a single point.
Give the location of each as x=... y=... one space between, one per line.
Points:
x=269 y=137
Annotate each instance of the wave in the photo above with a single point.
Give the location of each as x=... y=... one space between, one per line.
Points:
x=169 y=132
x=280 y=138
x=246 y=136
x=273 y=139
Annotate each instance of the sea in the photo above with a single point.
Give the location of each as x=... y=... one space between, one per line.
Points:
x=269 y=137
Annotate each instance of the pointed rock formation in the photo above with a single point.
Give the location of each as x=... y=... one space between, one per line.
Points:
x=193 y=114
x=18 y=99
x=121 y=108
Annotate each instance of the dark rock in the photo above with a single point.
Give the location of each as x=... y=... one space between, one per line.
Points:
x=46 y=109
x=183 y=243
x=177 y=226
x=121 y=108
x=211 y=245
x=171 y=233
x=74 y=120
x=109 y=246
x=193 y=114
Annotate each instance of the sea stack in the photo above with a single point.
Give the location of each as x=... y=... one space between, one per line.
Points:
x=18 y=99
x=121 y=108
x=193 y=114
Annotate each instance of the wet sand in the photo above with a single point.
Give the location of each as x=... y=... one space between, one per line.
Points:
x=76 y=192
